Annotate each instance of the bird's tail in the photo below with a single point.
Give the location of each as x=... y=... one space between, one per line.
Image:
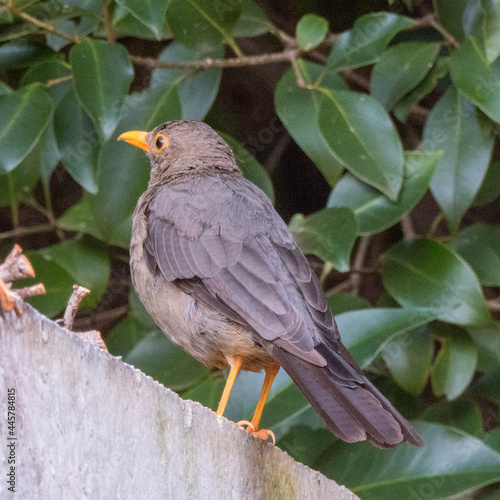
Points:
x=352 y=407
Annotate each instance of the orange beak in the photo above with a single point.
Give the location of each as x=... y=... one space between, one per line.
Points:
x=136 y=138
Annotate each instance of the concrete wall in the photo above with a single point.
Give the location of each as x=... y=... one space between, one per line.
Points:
x=88 y=426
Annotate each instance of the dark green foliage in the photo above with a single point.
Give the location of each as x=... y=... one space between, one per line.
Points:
x=407 y=153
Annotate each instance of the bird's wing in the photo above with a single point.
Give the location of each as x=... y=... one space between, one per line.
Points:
x=236 y=255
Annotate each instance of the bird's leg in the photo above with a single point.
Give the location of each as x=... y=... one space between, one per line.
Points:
x=253 y=426
x=235 y=364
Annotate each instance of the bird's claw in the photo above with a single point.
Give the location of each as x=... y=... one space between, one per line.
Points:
x=263 y=434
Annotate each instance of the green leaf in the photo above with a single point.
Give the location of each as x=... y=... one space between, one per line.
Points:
x=425 y=87
x=78 y=142
x=487 y=341
x=57 y=281
x=365 y=42
x=452 y=462
x=454 y=14
x=329 y=234
x=125 y=336
x=252 y=21
x=298 y=109
x=203 y=23
x=196 y=92
x=490 y=188
x=374 y=211
x=4 y=89
x=478 y=81
x=455 y=364
x=24 y=114
x=424 y=273
x=491 y=28
x=408 y=357
x=87 y=262
x=207 y=392
x=159 y=358
x=123 y=169
x=151 y=13
x=251 y=168
x=311 y=30
x=488 y=387
x=363 y=137
x=400 y=69
x=23 y=179
x=466 y=139
x=125 y=24
x=365 y=332
x=479 y=245
x=102 y=74
x=463 y=415
x=45 y=71
x=344 y=302
x=22 y=53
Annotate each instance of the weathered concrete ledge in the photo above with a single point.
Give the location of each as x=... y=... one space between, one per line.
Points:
x=89 y=426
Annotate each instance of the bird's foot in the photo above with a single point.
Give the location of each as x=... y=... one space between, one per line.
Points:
x=263 y=434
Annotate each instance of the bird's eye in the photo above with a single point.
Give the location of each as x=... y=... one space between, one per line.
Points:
x=161 y=141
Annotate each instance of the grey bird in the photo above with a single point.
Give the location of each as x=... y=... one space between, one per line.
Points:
x=221 y=274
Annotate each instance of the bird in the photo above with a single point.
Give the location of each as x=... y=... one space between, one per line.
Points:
x=223 y=277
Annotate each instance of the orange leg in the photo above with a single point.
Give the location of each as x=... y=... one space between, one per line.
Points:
x=235 y=365
x=253 y=426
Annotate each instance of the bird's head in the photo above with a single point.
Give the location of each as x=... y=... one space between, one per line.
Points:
x=178 y=149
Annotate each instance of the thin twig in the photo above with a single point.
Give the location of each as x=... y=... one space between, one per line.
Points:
x=431 y=20
x=359 y=260
x=102 y=317
x=232 y=62
x=494 y=305
x=407 y=228
x=37 y=22
x=108 y=26
x=341 y=287
x=55 y=81
x=22 y=231
x=79 y=293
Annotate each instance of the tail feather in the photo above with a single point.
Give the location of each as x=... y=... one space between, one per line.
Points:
x=353 y=408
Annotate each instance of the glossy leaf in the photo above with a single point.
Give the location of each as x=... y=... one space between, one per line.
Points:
x=311 y=31
x=363 y=137
x=367 y=331
x=487 y=342
x=22 y=180
x=400 y=69
x=22 y=53
x=365 y=42
x=344 y=302
x=151 y=13
x=374 y=211
x=125 y=336
x=57 y=281
x=408 y=357
x=124 y=169
x=46 y=71
x=102 y=74
x=196 y=92
x=23 y=117
x=157 y=357
x=4 y=88
x=203 y=23
x=250 y=167
x=479 y=82
x=329 y=234
x=425 y=87
x=491 y=28
x=252 y=21
x=78 y=142
x=298 y=109
x=126 y=24
x=454 y=14
x=466 y=139
x=424 y=273
x=463 y=415
x=455 y=364
x=86 y=262
x=466 y=464
x=479 y=245
x=490 y=188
